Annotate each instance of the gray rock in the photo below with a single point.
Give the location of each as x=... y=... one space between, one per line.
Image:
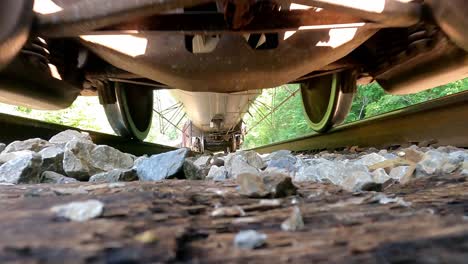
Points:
x=24 y=169
x=464 y=168
x=250 y=157
x=369 y=159
x=454 y=161
x=398 y=173
x=79 y=211
x=2 y=147
x=162 y=166
x=278 y=155
x=33 y=144
x=77 y=160
x=202 y=161
x=278 y=183
x=56 y=178
x=217 y=173
x=251 y=185
x=52 y=159
x=66 y=136
x=286 y=163
x=294 y=222
x=380 y=176
x=320 y=170
x=253 y=159
x=115 y=175
x=106 y=158
x=217 y=161
x=192 y=171
x=431 y=163
x=355 y=177
x=272 y=183
x=249 y=239
x=138 y=160
x=5 y=157
x=238 y=165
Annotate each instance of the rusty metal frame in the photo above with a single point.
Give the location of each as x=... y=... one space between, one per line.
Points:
x=452 y=18
x=392 y=13
x=214 y=23
x=85 y=17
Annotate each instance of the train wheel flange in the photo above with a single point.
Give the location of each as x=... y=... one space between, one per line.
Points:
x=131 y=113
x=327 y=99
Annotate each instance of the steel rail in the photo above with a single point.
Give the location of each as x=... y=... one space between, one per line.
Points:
x=19 y=128
x=443 y=121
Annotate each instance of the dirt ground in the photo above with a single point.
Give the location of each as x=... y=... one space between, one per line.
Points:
x=171 y=221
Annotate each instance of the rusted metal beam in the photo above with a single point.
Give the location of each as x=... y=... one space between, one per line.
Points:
x=84 y=16
x=393 y=13
x=214 y=23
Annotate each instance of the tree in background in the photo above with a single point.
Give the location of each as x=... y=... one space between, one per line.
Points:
x=285 y=123
x=289 y=120
x=371 y=100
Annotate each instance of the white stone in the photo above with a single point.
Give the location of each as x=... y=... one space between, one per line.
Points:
x=217 y=173
x=33 y=144
x=77 y=159
x=79 y=211
x=399 y=172
x=5 y=157
x=24 y=169
x=380 y=176
x=432 y=163
x=162 y=166
x=369 y=159
x=233 y=211
x=294 y=222
x=250 y=239
x=202 y=161
x=106 y=158
x=239 y=165
x=68 y=135
x=355 y=176
x=56 y=178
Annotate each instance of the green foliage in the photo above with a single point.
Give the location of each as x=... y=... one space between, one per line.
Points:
x=285 y=123
x=371 y=99
x=84 y=113
x=23 y=109
x=289 y=120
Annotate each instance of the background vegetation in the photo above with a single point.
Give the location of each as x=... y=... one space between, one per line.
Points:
x=285 y=123
x=289 y=120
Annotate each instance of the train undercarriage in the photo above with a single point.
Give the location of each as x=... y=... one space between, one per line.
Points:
x=216 y=55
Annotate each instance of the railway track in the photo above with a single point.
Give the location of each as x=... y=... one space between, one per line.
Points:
x=439 y=122
x=20 y=128
x=173 y=221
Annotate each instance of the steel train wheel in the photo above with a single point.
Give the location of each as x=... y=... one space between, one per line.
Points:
x=327 y=99
x=131 y=114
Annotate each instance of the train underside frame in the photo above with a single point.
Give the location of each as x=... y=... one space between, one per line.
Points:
x=225 y=46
